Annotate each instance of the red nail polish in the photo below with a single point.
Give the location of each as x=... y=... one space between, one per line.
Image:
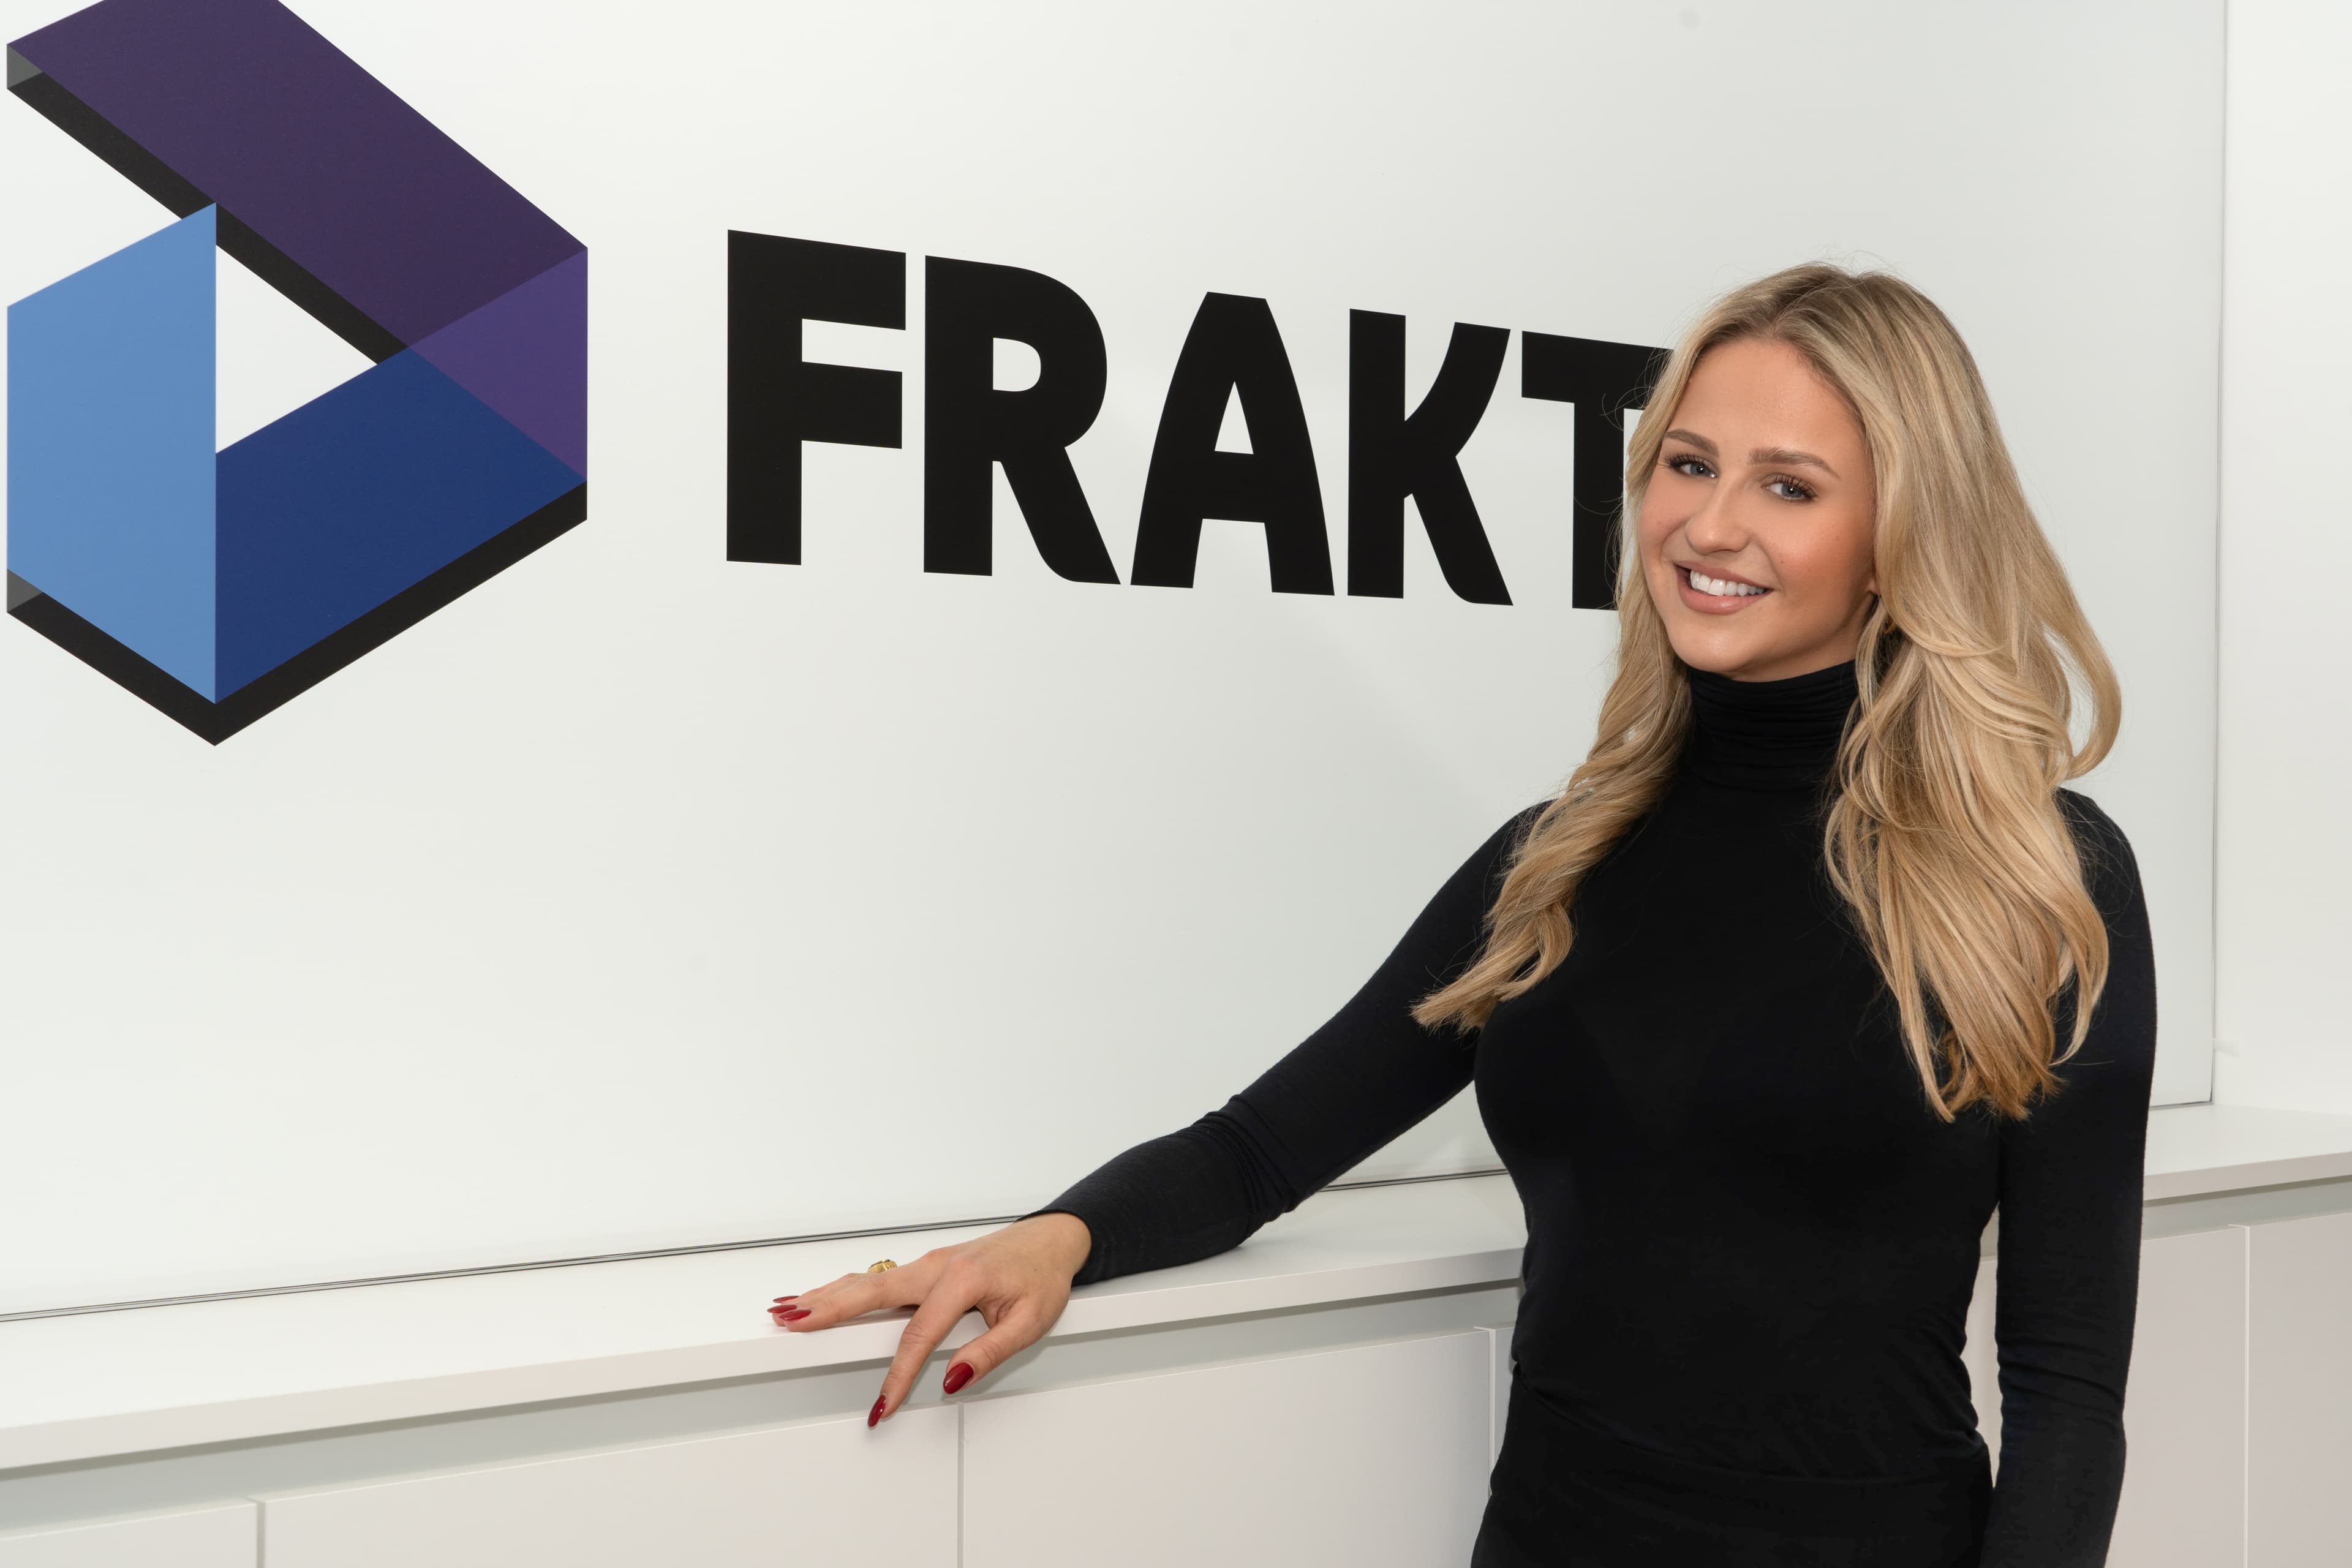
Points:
x=958 y=1375
x=781 y=1299
x=792 y=1314
x=875 y=1414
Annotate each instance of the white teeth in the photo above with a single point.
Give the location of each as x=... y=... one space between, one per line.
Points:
x=1720 y=586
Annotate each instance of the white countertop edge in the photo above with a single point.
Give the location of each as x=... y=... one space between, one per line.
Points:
x=1341 y=1246
x=274 y=1416
x=175 y=1376
x=2209 y=1181
x=2197 y=1151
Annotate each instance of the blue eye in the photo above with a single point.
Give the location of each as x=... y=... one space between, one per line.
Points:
x=1690 y=467
x=1780 y=484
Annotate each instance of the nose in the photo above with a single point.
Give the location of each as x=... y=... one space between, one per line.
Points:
x=1715 y=527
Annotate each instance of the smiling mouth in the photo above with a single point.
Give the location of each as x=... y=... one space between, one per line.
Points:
x=1723 y=588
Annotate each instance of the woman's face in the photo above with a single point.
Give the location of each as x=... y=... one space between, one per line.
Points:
x=1755 y=536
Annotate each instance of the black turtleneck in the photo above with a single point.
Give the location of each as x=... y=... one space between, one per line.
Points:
x=1750 y=1242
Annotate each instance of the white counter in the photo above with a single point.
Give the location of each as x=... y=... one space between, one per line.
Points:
x=2196 y=1150
x=86 y=1387
x=115 y=1383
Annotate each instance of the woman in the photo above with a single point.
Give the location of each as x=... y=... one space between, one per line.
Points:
x=1810 y=966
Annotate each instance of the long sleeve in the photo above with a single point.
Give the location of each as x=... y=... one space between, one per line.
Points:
x=1357 y=1082
x=2069 y=1250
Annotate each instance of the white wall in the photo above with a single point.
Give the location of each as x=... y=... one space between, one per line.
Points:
x=2284 y=882
x=643 y=898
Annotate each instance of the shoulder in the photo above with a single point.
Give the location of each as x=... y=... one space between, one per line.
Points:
x=1513 y=836
x=2123 y=1025
x=2094 y=829
x=1461 y=904
x=1494 y=858
x=2110 y=871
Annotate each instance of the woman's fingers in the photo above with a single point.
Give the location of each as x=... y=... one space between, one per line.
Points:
x=1019 y=1328
x=826 y=1303
x=940 y=1311
x=855 y=1295
x=1018 y=1278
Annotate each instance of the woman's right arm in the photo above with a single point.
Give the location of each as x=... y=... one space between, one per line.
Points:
x=1354 y=1085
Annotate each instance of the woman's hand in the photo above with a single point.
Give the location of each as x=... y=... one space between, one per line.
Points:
x=1017 y=1279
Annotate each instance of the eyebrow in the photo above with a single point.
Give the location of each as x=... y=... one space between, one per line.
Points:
x=1784 y=456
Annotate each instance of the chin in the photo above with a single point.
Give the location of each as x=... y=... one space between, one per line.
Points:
x=1715 y=655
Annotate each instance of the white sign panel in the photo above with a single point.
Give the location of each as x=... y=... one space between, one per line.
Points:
x=456 y=818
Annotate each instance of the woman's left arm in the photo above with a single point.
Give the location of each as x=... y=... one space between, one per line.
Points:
x=2068 y=1276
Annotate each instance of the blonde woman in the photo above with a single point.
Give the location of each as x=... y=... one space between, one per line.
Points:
x=1811 y=965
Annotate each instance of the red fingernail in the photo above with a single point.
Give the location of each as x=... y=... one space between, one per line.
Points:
x=958 y=1375
x=792 y=1314
x=875 y=1414
x=781 y=1299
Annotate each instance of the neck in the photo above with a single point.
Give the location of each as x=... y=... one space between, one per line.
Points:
x=1769 y=735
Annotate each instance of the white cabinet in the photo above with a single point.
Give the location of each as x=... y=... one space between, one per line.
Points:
x=2184 y=1502
x=222 y=1536
x=1374 y=1457
x=2299 y=1396
x=823 y=1491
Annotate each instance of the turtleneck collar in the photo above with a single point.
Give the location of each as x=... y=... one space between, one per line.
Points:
x=1769 y=735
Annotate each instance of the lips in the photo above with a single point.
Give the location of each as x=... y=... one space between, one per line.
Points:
x=1709 y=604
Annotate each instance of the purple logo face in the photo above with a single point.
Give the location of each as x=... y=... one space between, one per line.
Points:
x=219 y=584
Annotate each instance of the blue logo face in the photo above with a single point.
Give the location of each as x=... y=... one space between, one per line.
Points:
x=219 y=584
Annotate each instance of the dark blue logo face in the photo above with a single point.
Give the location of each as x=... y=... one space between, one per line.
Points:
x=219 y=584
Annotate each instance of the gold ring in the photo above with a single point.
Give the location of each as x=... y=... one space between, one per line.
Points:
x=879 y=1267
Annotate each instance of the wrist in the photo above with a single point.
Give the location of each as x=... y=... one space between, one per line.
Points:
x=1069 y=1241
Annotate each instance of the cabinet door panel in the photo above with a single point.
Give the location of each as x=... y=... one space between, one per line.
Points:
x=224 y=1537
x=1363 y=1458
x=2184 y=1502
x=2299 y=1403
x=826 y=1490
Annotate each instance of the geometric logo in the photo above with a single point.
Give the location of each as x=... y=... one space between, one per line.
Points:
x=218 y=584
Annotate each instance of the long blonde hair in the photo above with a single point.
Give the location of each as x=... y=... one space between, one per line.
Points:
x=1944 y=833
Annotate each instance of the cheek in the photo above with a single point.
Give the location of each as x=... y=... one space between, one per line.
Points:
x=1829 y=564
x=1857 y=551
x=1656 y=522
